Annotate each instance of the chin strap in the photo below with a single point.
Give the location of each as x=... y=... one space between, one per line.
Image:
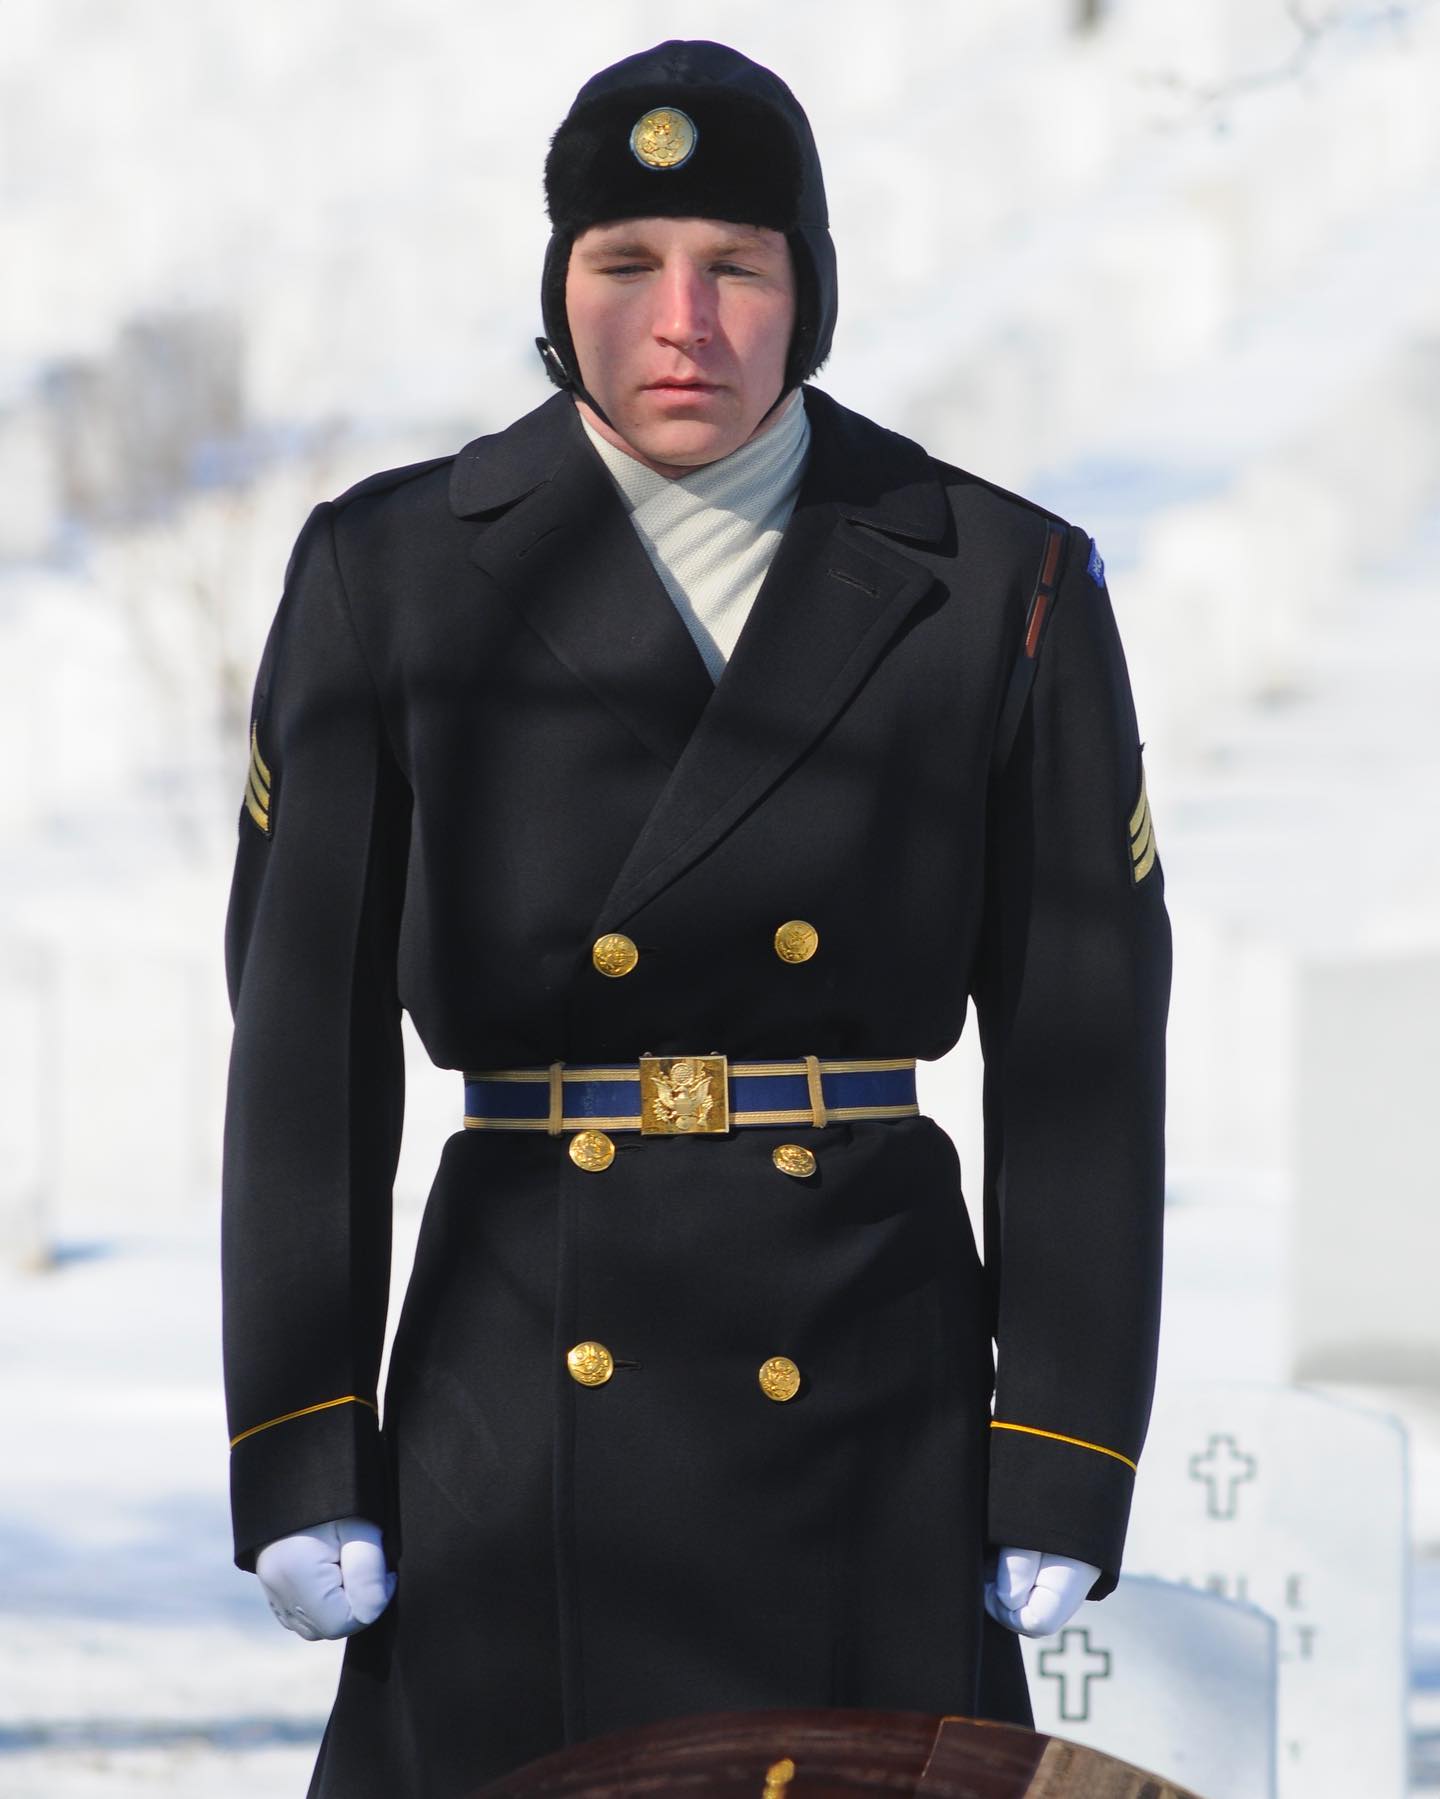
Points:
x=783 y=395
x=555 y=368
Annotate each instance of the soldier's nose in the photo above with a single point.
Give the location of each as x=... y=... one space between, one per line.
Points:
x=683 y=310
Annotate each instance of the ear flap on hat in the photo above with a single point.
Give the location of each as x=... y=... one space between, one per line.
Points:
x=552 y=311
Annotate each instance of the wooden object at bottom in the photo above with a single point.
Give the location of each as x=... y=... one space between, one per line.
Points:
x=829 y=1754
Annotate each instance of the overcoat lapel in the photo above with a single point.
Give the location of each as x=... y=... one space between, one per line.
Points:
x=833 y=598
x=566 y=551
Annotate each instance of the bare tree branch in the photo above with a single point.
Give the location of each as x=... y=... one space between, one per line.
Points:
x=1313 y=28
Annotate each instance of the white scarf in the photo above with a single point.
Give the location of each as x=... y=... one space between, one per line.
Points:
x=711 y=533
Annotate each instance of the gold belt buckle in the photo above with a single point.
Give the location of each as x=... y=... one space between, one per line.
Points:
x=684 y=1095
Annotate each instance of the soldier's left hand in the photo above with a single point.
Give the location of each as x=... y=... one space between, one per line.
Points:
x=1033 y=1593
x=328 y=1581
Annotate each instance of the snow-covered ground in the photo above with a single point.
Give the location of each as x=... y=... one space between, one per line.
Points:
x=133 y=1654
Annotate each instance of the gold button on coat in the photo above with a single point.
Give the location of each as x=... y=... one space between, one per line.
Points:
x=592 y=1150
x=793 y=1158
x=796 y=941
x=590 y=1363
x=779 y=1378
x=614 y=953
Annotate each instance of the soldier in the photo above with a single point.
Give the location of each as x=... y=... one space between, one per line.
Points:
x=684 y=758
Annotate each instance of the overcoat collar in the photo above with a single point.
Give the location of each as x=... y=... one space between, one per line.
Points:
x=559 y=542
x=879 y=477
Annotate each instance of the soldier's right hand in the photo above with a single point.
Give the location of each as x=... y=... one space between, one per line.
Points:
x=328 y=1581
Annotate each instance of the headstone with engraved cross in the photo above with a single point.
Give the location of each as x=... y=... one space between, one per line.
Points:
x=1298 y=1504
x=1175 y=1680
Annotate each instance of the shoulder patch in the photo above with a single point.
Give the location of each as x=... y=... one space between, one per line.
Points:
x=257 y=784
x=1095 y=567
x=1142 y=834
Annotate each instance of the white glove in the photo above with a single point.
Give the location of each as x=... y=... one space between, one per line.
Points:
x=1033 y=1593
x=328 y=1581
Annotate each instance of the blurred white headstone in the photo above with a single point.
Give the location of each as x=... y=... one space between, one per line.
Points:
x=27 y=1063
x=1297 y=1504
x=1368 y=1046
x=1177 y=1681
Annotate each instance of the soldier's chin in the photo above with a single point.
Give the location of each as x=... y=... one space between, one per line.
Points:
x=686 y=442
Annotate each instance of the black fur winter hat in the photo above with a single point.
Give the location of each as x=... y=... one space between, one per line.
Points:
x=690 y=130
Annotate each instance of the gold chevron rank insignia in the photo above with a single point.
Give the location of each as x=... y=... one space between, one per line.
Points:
x=257 y=785
x=1142 y=835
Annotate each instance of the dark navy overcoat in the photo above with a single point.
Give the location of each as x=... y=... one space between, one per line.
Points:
x=481 y=739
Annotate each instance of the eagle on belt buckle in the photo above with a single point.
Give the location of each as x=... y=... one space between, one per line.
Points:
x=684 y=1095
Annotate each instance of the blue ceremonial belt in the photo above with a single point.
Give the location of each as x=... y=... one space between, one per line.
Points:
x=683 y=1095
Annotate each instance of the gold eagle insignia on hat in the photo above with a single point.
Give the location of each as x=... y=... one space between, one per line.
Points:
x=1142 y=835
x=664 y=138
x=257 y=785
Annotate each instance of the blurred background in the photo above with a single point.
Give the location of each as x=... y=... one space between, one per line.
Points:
x=1171 y=269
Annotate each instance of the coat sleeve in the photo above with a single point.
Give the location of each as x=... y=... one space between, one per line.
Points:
x=315 y=1096
x=1072 y=987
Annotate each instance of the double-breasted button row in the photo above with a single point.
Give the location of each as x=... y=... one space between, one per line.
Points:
x=615 y=954
x=591 y=1365
x=595 y=1150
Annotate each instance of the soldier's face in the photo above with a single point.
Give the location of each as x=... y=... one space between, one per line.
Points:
x=681 y=329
